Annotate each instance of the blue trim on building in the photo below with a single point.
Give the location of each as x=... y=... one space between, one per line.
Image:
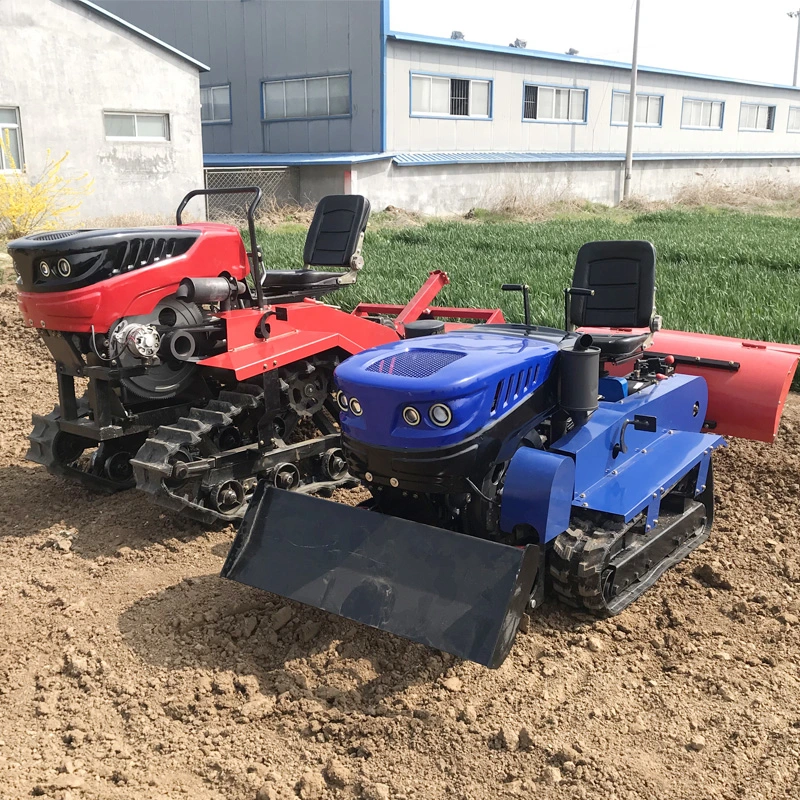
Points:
x=660 y=123
x=144 y=34
x=703 y=127
x=385 y=25
x=234 y=160
x=477 y=118
x=289 y=159
x=598 y=62
x=584 y=89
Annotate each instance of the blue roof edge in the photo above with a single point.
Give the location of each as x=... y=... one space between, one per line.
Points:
x=144 y=34
x=597 y=62
x=232 y=160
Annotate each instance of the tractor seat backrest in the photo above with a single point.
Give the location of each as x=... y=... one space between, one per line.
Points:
x=335 y=232
x=623 y=277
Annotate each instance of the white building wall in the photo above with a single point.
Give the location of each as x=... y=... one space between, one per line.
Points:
x=507 y=131
x=62 y=65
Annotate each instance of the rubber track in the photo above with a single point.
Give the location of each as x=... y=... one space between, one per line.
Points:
x=154 y=461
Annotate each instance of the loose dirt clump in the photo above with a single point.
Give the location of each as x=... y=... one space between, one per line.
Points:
x=129 y=669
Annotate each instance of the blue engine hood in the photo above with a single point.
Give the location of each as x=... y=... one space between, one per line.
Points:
x=479 y=375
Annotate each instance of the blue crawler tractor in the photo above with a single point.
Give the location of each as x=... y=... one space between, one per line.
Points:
x=505 y=464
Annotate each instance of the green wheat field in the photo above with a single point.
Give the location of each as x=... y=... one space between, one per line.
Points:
x=718 y=271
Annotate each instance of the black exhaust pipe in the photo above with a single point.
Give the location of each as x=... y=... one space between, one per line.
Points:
x=579 y=373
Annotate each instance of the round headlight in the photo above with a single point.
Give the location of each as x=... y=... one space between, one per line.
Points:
x=64 y=267
x=440 y=415
x=355 y=407
x=44 y=269
x=411 y=415
x=341 y=400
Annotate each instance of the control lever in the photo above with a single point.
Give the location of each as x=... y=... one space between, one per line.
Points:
x=640 y=422
x=524 y=288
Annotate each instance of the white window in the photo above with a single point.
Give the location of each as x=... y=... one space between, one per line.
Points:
x=648 y=108
x=554 y=104
x=215 y=104
x=702 y=113
x=450 y=97
x=755 y=117
x=11 y=149
x=147 y=127
x=794 y=119
x=325 y=96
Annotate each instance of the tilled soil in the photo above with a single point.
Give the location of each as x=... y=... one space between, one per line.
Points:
x=129 y=669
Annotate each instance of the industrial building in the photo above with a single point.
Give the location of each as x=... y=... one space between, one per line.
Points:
x=124 y=105
x=321 y=96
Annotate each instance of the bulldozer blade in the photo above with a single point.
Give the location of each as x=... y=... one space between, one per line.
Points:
x=449 y=591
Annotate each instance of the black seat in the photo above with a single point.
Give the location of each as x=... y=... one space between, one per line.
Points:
x=623 y=278
x=334 y=240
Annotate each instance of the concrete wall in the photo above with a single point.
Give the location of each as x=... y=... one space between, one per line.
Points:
x=455 y=189
x=62 y=65
x=246 y=43
x=507 y=130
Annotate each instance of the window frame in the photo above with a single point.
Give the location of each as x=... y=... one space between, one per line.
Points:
x=584 y=89
x=18 y=127
x=136 y=138
x=450 y=76
x=348 y=115
x=788 y=118
x=704 y=100
x=228 y=121
x=773 y=106
x=659 y=124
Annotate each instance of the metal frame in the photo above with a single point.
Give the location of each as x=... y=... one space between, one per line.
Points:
x=348 y=74
x=659 y=124
x=537 y=84
x=773 y=106
x=228 y=121
x=21 y=166
x=451 y=76
x=704 y=100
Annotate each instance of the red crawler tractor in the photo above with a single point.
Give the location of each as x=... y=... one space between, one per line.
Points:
x=205 y=371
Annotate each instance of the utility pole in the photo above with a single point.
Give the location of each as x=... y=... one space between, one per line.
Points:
x=626 y=186
x=796 y=14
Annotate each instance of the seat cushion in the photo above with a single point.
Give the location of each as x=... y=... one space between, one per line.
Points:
x=298 y=278
x=616 y=345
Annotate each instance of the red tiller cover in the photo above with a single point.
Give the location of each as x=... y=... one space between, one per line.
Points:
x=745 y=401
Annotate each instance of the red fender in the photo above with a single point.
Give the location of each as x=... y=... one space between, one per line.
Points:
x=747 y=381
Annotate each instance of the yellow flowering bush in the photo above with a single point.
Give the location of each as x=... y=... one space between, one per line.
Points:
x=29 y=203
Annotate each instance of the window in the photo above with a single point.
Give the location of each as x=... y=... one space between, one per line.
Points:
x=450 y=97
x=11 y=150
x=794 y=119
x=149 y=127
x=702 y=113
x=554 y=104
x=754 y=117
x=215 y=104
x=648 y=108
x=326 y=96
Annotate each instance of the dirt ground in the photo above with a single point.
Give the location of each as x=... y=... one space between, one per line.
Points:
x=129 y=669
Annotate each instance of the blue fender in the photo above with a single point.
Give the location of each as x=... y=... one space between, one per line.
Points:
x=538 y=491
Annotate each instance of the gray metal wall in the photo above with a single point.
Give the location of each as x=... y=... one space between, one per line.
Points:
x=247 y=41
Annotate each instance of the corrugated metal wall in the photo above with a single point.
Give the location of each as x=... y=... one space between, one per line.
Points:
x=248 y=41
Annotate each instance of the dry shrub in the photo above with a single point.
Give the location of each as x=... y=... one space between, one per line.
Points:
x=758 y=193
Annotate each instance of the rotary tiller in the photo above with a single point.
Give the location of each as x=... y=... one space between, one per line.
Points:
x=507 y=462
x=205 y=371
